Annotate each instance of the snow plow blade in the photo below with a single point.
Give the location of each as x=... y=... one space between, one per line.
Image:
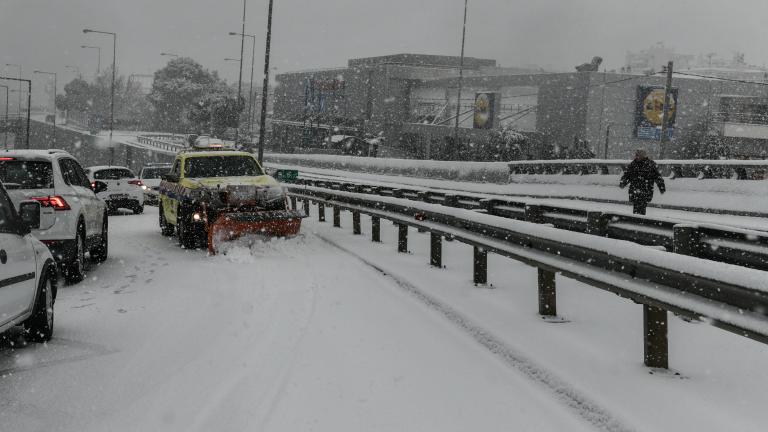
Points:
x=229 y=226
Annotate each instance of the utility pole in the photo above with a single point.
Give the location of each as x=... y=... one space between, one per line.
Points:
x=665 y=117
x=265 y=89
x=461 y=78
x=240 y=75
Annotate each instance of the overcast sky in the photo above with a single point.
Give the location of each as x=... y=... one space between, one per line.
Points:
x=46 y=34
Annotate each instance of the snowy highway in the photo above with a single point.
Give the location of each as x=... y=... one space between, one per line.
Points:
x=329 y=332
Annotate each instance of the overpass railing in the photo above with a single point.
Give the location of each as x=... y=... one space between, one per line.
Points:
x=725 y=296
x=167 y=142
x=695 y=168
x=747 y=248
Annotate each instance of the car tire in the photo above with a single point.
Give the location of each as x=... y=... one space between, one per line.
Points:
x=166 y=229
x=138 y=208
x=111 y=209
x=39 y=326
x=74 y=270
x=100 y=252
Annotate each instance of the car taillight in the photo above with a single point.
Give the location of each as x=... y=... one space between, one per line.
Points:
x=56 y=202
x=3 y=159
x=137 y=183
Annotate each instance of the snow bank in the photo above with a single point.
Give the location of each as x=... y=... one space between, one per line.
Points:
x=482 y=172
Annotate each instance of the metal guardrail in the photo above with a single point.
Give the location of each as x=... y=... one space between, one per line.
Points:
x=745 y=248
x=702 y=169
x=160 y=141
x=662 y=282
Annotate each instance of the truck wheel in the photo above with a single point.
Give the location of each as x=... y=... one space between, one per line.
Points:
x=39 y=327
x=166 y=229
x=185 y=233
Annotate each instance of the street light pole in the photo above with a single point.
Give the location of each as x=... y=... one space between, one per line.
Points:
x=265 y=89
x=19 y=68
x=461 y=77
x=29 y=99
x=98 y=63
x=240 y=73
x=54 y=101
x=250 y=91
x=5 y=139
x=112 y=96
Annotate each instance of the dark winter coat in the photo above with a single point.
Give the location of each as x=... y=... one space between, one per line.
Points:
x=640 y=175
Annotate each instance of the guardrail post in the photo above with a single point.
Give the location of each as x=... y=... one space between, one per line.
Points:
x=480 y=266
x=436 y=250
x=547 y=293
x=655 y=337
x=356 y=223
x=306 y=206
x=293 y=203
x=686 y=240
x=534 y=213
x=597 y=223
x=375 y=229
x=402 y=238
x=336 y=216
x=321 y=211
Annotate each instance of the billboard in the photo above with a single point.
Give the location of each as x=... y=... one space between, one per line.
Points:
x=486 y=110
x=649 y=112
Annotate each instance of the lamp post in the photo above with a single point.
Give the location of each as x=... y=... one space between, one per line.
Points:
x=461 y=77
x=19 y=76
x=54 y=101
x=250 y=92
x=265 y=89
x=98 y=62
x=240 y=71
x=112 y=97
x=29 y=99
x=5 y=139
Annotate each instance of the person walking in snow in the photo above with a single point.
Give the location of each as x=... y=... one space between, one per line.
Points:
x=640 y=175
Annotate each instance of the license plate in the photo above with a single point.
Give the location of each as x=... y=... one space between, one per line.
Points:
x=118 y=196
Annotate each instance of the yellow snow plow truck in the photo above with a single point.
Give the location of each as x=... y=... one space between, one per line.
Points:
x=214 y=194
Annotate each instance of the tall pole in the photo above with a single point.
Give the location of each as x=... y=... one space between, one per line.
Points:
x=265 y=89
x=54 y=101
x=240 y=74
x=18 y=67
x=461 y=76
x=112 y=92
x=665 y=116
x=250 y=91
x=5 y=139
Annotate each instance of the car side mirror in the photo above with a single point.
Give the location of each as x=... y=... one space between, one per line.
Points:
x=30 y=214
x=173 y=178
x=98 y=186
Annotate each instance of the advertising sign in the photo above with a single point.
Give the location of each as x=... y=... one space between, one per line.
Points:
x=486 y=110
x=649 y=112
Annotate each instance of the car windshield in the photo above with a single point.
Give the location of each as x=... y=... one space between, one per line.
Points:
x=221 y=166
x=113 y=174
x=22 y=174
x=154 y=173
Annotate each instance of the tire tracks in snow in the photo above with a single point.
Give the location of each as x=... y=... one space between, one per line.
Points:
x=578 y=403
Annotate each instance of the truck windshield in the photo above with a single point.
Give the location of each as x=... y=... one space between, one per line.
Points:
x=221 y=166
x=21 y=174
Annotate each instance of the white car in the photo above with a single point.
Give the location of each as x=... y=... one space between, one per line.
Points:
x=151 y=176
x=73 y=220
x=27 y=272
x=124 y=189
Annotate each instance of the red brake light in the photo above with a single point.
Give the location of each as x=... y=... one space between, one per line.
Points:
x=136 y=182
x=2 y=159
x=56 y=202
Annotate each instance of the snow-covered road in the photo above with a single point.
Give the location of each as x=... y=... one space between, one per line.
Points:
x=329 y=333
